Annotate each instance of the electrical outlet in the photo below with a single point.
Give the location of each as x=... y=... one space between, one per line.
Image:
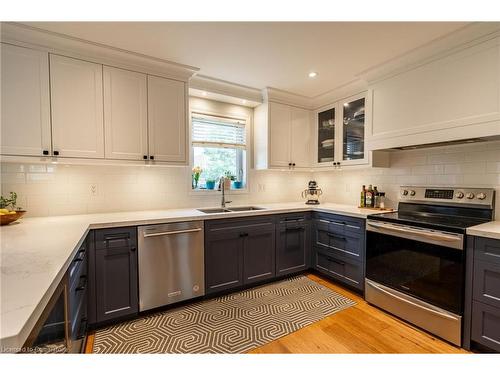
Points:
x=93 y=189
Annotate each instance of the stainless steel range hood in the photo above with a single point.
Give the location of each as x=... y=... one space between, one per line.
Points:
x=449 y=143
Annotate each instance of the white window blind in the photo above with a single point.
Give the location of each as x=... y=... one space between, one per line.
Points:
x=218 y=132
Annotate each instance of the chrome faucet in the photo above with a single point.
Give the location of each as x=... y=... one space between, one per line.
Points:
x=223 y=189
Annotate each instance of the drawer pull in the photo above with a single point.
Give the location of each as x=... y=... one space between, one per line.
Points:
x=82 y=285
x=243 y=234
x=294 y=229
x=119 y=236
x=335 y=236
x=353 y=226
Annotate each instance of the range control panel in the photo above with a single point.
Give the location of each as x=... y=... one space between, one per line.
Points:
x=474 y=196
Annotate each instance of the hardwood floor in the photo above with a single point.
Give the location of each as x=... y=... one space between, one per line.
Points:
x=359 y=329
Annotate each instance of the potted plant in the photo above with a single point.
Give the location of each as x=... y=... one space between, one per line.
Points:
x=196 y=176
x=238 y=182
x=9 y=211
x=228 y=178
x=210 y=184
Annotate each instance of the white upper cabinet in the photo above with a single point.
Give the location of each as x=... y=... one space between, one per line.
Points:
x=77 y=108
x=125 y=114
x=167 y=120
x=279 y=134
x=300 y=134
x=25 y=107
x=451 y=97
x=282 y=136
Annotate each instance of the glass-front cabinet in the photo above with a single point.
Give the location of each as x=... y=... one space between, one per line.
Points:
x=341 y=132
x=326 y=136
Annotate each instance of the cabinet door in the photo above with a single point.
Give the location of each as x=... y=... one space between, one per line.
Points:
x=223 y=260
x=326 y=135
x=259 y=254
x=116 y=274
x=292 y=247
x=25 y=101
x=77 y=107
x=125 y=114
x=353 y=130
x=300 y=137
x=279 y=135
x=167 y=120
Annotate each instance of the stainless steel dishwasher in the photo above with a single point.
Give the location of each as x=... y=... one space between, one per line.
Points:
x=171 y=263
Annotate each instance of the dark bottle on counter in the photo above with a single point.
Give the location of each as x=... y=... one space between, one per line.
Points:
x=375 y=197
x=362 y=201
x=369 y=197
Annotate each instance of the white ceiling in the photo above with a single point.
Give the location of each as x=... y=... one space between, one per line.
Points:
x=266 y=54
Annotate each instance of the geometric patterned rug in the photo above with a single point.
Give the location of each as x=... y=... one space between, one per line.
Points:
x=234 y=323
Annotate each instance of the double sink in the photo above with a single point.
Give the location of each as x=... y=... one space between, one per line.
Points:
x=230 y=209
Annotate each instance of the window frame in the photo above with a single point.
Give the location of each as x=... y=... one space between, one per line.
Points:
x=248 y=149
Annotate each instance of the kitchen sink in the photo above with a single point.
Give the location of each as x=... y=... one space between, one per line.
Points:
x=229 y=209
x=247 y=208
x=213 y=210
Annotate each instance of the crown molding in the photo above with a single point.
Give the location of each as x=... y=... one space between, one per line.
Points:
x=225 y=89
x=285 y=97
x=351 y=88
x=468 y=36
x=32 y=37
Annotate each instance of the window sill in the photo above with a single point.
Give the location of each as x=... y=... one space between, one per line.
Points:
x=216 y=192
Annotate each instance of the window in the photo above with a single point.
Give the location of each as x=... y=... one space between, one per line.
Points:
x=219 y=149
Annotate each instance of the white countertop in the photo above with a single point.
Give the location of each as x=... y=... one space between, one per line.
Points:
x=36 y=252
x=490 y=230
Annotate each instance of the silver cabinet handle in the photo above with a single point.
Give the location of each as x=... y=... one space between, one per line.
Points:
x=444 y=315
x=434 y=235
x=171 y=233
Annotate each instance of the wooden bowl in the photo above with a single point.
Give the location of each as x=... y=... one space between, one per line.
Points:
x=10 y=218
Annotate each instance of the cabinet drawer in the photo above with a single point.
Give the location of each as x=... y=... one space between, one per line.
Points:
x=115 y=238
x=339 y=267
x=76 y=295
x=344 y=243
x=486 y=284
x=487 y=249
x=78 y=265
x=341 y=224
x=486 y=325
x=239 y=224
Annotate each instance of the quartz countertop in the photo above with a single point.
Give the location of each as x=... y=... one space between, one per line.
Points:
x=36 y=252
x=490 y=230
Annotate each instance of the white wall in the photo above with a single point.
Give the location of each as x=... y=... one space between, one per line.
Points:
x=474 y=165
x=56 y=189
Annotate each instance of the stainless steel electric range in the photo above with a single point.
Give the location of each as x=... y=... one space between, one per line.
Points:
x=415 y=267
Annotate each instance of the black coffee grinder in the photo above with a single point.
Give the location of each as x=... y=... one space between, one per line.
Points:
x=312 y=193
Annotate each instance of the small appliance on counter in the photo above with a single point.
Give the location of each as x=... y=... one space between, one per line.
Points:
x=312 y=193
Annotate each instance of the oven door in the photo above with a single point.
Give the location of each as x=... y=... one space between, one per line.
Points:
x=426 y=264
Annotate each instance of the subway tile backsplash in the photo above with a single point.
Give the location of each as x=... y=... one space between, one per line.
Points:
x=55 y=189
x=473 y=165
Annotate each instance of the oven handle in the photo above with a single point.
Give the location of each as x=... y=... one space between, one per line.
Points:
x=420 y=306
x=449 y=238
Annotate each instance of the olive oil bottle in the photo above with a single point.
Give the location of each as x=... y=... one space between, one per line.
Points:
x=362 y=200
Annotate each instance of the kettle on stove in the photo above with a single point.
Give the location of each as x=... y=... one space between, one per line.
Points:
x=312 y=193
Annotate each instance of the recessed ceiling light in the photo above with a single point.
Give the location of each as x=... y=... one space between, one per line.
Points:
x=204 y=93
x=243 y=101
x=346 y=104
x=313 y=74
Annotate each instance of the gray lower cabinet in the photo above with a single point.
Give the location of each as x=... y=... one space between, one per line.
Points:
x=293 y=243
x=339 y=247
x=238 y=252
x=115 y=274
x=482 y=302
x=259 y=256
